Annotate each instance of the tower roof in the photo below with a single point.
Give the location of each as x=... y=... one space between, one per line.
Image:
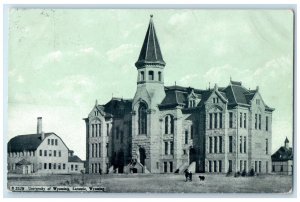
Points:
x=150 y=52
x=286 y=140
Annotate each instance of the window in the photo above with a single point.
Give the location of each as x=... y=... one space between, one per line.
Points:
x=230 y=119
x=172 y=148
x=56 y=141
x=157 y=165
x=45 y=165
x=99 y=154
x=241 y=144
x=52 y=141
x=216 y=120
x=241 y=165
x=49 y=141
x=259 y=166
x=64 y=166
x=76 y=167
x=165 y=167
x=267 y=146
x=166 y=124
x=217 y=100
x=72 y=167
x=220 y=120
x=171 y=166
x=59 y=153
x=58 y=166
x=192 y=132
x=142 y=116
x=245 y=165
x=92 y=150
x=209 y=166
x=215 y=144
x=96 y=150
x=259 y=121
x=215 y=166
x=45 y=152
x=41 y=153
x=255 y=121
x=257 y=101
x=107 y=129
x=54 y=153
x=93 y=130
x=230 y=166
x=40 y=166
x=186 y=137
x=106 y=149
x=50 y=152
x=210 y=144
x=49 y=166
x=230 y=144
x=142 y=76
x=99 y=129
x=220 y=144
x=241 y=120
x=255 y=166
x=210 y=121
x=273 y=168
x=159 y=76
x=214 y=100
x=220 y=166
x=267 y=123
x=151 y=75
x=166 y=148
x=245 y=144
x=54 y=166
x=184 y=152
x=245 y=120
x=281 y=168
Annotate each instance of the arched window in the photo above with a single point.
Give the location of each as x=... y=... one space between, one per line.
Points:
x=159 y=76
x=169 y=124
x=151 y=75
x=142 y=76
x=142 y=119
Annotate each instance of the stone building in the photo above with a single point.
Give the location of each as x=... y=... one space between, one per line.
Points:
x=164 y=129
x=282 y=159
x=41 y=153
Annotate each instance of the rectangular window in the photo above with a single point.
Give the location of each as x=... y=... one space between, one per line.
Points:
x=255 y=121
x=54 y=153
x=56 y=141
x=209 y=166
x=72 y=167
x=172 y=147
x=166 y=148
x=64 y=166
x=49 y=141
x=186 y=137
x=230 y=144
x=214 y=100
x=99 y=150
x=220 y=120
x=230 y=120
x=230 y=166
x=255 y=166
x=220 y=166
x=241 y=165
x=59 y=153
x=96 y=129
x=171 y=167
x=259 y=121
x=159 y=76
x=49 y=166
x=215 y=144
x=210 y=121
x=142 y=76
x=107 y=129
x=245 y=165
x=220 y=144
x=267 y=123
x=281 y=168
x=210 y=144
x=45 y=166
x=96 y=150
x=50 y=152
x=52 y=141
x=58 y=166
x=192 y=132
x=267 y=146
x=245 y=144
x=215 y=166
x=245 y=120
x=216 y=120
x=241 y=120
x=41 y=153
x=92 y=150
x=92 y=130
x=45 y=152
x=151 y=75
x=54 y=166
x=241 y=144
x=165 y=167
x=76 y=167
x=259 y=166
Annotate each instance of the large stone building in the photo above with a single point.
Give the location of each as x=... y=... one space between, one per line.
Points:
x=165 y=129
x=41 y=153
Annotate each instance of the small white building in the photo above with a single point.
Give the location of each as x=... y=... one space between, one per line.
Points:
x=282 y=160
x=42 y=153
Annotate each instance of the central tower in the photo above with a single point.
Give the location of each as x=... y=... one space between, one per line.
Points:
x=149 y=94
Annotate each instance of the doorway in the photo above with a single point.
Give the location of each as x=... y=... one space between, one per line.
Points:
x=142 y=156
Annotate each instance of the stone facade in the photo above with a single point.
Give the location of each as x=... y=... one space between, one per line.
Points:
x=165 y=129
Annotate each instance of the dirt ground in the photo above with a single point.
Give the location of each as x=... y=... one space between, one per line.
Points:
x=164 y=183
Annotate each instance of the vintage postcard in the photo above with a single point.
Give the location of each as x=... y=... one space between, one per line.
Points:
x=156 y=101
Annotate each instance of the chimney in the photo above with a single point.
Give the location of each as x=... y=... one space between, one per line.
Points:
x=43 y=135
x=39 y=125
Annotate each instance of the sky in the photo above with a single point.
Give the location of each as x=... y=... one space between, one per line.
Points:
x=62 y=60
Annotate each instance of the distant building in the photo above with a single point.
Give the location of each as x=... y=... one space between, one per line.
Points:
x=165 y=129
x=282 y=159
x=41 y=153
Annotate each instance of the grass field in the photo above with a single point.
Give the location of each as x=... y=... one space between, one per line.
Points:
x=165 y=183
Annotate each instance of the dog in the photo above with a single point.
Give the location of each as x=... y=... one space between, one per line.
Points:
x=188 y=175
x=202 y=178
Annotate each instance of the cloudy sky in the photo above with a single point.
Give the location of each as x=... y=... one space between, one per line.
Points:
x=61 y=61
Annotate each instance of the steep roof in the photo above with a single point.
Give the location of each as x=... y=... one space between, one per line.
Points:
x=283 y=154
x=150 y=52
x=74 y=158
x=28 y=142
x=117 y=107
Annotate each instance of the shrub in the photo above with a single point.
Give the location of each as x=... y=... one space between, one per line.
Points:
x=237 y=174
x=251 y=173
x=228 y=173
x=244 y=173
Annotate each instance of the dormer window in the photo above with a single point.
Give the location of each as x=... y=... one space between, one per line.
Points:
x=192 y=103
